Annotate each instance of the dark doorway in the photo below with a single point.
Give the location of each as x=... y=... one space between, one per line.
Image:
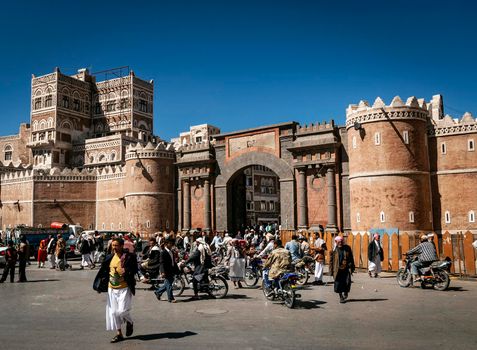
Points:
x=254 y=197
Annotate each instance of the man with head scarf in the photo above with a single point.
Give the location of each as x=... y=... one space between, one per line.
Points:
x=427 y=254
x=341 y=268
x=375 y=256
x=201 y=258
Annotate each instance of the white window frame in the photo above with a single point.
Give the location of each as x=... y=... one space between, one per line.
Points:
x=358 y=217
x=470 y=145
x=103 y=226
x=112 y=226
x=471 y=216
x=377 y=138
x=443 y=148
x=411 y=216
x=120 y=225
x=405 y=136
x=354 y=141
x=148 y=224
x=382 y=216
x=447 y=217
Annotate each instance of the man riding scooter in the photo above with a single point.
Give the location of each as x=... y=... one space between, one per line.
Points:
x=278 y=262
x=427 y=255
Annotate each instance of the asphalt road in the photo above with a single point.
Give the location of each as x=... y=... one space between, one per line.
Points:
x=59 y=310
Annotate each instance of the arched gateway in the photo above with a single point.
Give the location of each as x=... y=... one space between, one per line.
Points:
x=304 y=158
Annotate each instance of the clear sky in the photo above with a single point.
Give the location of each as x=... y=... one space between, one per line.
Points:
x=242 y=64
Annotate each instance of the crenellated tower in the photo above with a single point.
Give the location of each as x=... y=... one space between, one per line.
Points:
x=149 y=187
x=389 y=174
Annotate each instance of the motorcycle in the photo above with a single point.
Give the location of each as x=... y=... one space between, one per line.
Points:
x=285 y=290
x=217 y=286
x=302 y=269
x=434 y=275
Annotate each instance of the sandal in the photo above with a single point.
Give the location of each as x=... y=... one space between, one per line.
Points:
x=117 y=338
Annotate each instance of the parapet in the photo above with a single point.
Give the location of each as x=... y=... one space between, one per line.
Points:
x=453 y=126
x=150 y=150
x=315 y=128
x=413 y=108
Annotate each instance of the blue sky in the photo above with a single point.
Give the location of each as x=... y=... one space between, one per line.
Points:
x=242 y=64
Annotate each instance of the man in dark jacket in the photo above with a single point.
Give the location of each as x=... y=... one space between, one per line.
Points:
x=23 y=257
x=341 y=268
x=375 y=256
x=121 y=266
x=168 y=269
x=10 y=261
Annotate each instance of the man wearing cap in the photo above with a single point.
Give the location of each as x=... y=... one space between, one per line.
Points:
x=427 y=254
x=375 y=256
x=341 y=268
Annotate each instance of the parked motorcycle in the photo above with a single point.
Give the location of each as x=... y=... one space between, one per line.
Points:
x=434 y=276
x=284 y=291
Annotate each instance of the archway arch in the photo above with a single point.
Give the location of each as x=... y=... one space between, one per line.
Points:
x=228 y=171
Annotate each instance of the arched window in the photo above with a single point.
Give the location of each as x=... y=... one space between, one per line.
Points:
x=148 y=224
x=382 y=217
x=411 y=216
x=7 y=153
x=35 y=125
x=48 y=101
x=50 y=122
x=42 y=125
x=102 y=157
x=113 y=156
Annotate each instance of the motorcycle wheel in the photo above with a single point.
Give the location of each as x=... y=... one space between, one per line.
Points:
x=178 y=286
x=251 y=278
x=266 y=291
x=289 y=296
x=218 y=287
x=303 y=276
x=403 y=278
x=441 y=281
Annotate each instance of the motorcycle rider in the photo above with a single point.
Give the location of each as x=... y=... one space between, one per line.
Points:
x=294 y=248
x=427 y=255
x=278 y=262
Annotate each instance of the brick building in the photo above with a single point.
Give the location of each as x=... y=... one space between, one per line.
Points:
x=89 y=156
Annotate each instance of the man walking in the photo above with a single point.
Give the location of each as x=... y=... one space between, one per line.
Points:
x=375 y=256
x=10 y=261
x=50 y=249
x=319 y=247
x=22 y=258
x=121 y=266
x=341 y=268
x=168 y=269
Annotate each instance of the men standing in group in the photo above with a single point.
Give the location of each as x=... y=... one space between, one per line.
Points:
x=10 y=261
x=121 y=266
x=375 y=256
x=319 y=248
x=341 y=268
x=168 y=269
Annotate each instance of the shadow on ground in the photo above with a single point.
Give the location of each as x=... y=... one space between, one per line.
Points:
x=309 y=304
x=456 y=289
x=169 y=335
x=365 y=300
x=38 y=281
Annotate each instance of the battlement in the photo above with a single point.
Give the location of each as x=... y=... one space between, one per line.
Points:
x=454 y=126
x=150 y=150
x=195 y=147
x=413 y=108
x=313 y=128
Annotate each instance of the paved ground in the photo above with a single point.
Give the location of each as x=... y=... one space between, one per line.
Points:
x=59 y=310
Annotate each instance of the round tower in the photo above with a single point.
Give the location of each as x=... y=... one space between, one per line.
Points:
x=389 y=175
x=149 y=188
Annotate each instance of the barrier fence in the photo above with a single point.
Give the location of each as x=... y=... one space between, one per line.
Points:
x=457 y=247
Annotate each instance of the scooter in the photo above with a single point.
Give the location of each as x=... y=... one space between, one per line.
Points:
x=434 y=276
x=282 y=288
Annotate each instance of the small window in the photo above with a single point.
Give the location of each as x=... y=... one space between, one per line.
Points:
x=40 y=225
x=354 y=141
x=76 y=104
x=103 y=226
x=8 y=152
x=97 y=108
x=124 y=103
x=272 y=206
x=142 y=105
x=358 y=217
x=112 y=226
x=382 y=217
x=110 y=106
x=148 y=224
x=38 y=103
x=443 y=148
x=48 y=101
x=263 y=206
x=471 y=145
x=66 y=102
x=411 y=216
x=377 y=138
x=120 y=226
x=405 y=136
x=471 y=216
x=447 y=217
x=198 y=139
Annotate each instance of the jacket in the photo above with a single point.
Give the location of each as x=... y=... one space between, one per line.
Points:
x=347 y=261
x=373 y=251
x=167 y=266
x=130 y=270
